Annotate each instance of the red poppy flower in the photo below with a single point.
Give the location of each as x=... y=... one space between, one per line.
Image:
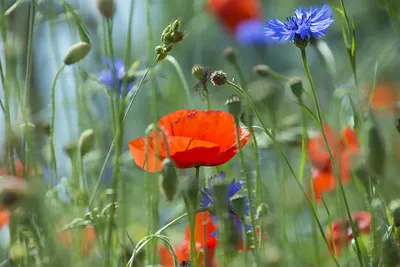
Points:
x=88 y=239
x=343 y=148
x=195 y=138
x=384 y=98
x=265 y=238
x=183 y=252
x=232 y=12
x=342 y=234
x=19 y=169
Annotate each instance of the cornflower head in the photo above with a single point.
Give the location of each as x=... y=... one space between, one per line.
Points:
x=106 y=77
x=305 y=23
x=234 y=188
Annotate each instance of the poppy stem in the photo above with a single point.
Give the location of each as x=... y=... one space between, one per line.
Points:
x=53 y=162
x=249 y=192
x=335 y=169
x=206 y=95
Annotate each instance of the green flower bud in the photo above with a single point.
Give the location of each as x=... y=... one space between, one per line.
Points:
x=17 y=253
x=77 y=52
x=234 y=106
x=262 y=211
x=199 y=71
x=86 y=141
x=218 y=78
x=262 y=70
x=169 y=179
x=238 y=205
x=230 y=54
x=221 y=191
x=296 y=85
x=106 y=8
x=71 y=149
x=161 y=52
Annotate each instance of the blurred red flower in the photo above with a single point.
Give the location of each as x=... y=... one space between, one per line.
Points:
x=343 y=148
x=384 y=99
x=183 y=252
x=195 y=138
x=88 y=238
x=19 y=169
x=342 y=235
x=233 y=12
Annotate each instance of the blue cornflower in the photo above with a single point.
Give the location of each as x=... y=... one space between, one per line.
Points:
x=251 y=32
x=305 y=24
x=208 y=199
x=106 y=77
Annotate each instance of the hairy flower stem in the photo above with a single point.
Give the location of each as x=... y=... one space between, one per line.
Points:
x=249 y=192
x=335 y=170
x=53 y=162
x=283 y=154
x=206 y=95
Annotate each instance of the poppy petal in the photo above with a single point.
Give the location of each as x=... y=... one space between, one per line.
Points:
x=213 y=126
x=323 y=181
x=317 y=150
x=137 y=148
x=350 y=140
x=229 y=153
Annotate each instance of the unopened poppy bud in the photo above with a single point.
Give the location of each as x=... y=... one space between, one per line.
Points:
x=221 y=191
x=376 y=151
x=218 y=78
x=169 y=179
x=301 y=43
x=262 y=70
x=262 y=211
x=396 y=217
x=77 y=52
x=86 y=141
x=398 y=124
x=238 y=203
x=106 y=8
x=192 y=190
x=234 y=106
x=82 y=198
x=71 y=149
x=230 y=54
x=296 y=85
x=247 y=118
x=199 y=71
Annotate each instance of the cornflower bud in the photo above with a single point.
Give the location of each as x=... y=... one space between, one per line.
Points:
x=296 y=85
x=238 y=205
x=234 y=106
x=230 y=54
x=262 y=70
x=218 y=78
x=77 y=52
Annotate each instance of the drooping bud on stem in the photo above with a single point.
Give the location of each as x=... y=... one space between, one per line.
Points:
x=218 y=78
x=262 y=70
x=169 y=179
x=230 y=54
x=234 y=106
x=296 y=85
x=77 y=52
x=86 y=141
x=106 y=8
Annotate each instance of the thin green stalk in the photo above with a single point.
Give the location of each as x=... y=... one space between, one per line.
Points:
x=27 y=137
x=335 y=170
x=7 y=115
x=114 y=139
x=179 y=71
x=249 y=190
x=206 y=95
x=265 y=129
x=155 y=192
x=53 y=161
x=193 y=255
x=244 y=234
x=128 y=49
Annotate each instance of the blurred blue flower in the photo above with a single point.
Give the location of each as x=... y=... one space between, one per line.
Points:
x=106 y=77
x=251 y=32
x=313 y=22
x=208 y=199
